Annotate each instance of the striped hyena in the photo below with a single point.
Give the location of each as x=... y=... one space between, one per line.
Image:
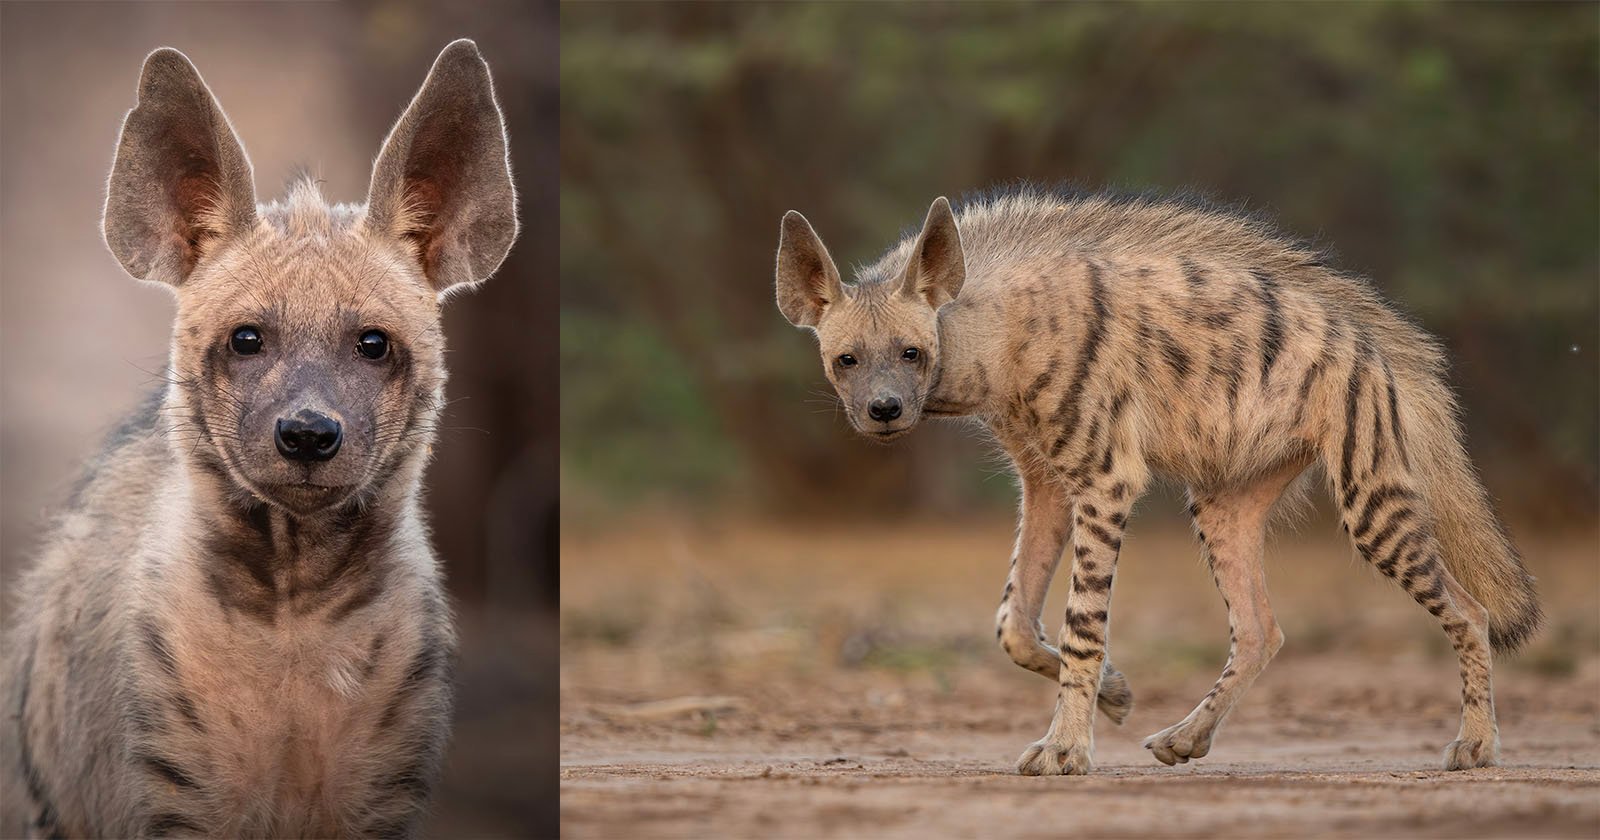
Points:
x=238 y=626
x=1105 y=339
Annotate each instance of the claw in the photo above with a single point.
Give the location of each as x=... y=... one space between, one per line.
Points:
x=1466 y=753
x=1046 y=758
x=1179 y=743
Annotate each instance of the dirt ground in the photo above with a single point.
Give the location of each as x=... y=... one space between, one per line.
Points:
x=740 y=681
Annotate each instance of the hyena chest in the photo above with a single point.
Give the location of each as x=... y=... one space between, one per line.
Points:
x=282 y=732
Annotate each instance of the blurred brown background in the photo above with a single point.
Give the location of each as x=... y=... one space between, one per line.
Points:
x=765 y=615
x=313 y=85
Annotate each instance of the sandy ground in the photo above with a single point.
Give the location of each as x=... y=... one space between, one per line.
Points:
x=843 y=685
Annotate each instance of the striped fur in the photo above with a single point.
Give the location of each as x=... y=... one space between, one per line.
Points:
x=1108 y=339
x=219 y=639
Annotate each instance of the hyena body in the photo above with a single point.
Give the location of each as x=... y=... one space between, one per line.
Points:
x=238 y=626
x=1106 y=340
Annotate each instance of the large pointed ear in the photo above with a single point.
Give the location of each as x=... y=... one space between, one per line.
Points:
x=181 y=182
x=807 y=278
x=442 y=182
x=937 y=267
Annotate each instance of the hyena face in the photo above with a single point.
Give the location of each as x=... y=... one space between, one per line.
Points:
x=880 y=335
x=880 y=349
x=307 y=357
x=311 y=379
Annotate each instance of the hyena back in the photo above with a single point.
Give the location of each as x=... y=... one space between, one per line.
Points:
x=238 y=627
x=1106 y=339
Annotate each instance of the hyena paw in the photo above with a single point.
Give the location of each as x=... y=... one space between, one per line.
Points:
x=1181 y=742
x=1045 y=757
x=1466 y=753
x=1116 y=699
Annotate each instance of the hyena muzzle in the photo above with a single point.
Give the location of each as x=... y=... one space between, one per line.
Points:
x=1104 y=339
x=237 y=626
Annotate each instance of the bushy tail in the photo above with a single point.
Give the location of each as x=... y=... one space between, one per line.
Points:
x=1472 y=540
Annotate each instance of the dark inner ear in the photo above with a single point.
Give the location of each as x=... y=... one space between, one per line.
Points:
x=195 y=198
x=938 y=252
x=423 y=202
x=435 y=174
x=814 y=274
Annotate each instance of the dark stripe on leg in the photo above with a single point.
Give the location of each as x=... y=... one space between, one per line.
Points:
x=1395 y=521
x=1375 y=502
x=1101 y=534
x=1092 y=583
x=1078 y=654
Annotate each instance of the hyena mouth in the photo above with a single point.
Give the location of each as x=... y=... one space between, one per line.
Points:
x=306 y=496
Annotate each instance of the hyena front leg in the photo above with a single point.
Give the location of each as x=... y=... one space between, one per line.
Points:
x=1067 y=748
x=1042 y=535
x=1233 y=526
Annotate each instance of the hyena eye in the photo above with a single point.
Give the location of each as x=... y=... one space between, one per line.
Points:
x=373 y=344
x=911 y=354
x=847 y=360
x=246 y=341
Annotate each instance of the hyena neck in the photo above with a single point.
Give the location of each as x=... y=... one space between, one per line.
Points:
x=263 y=562
x=965 y=381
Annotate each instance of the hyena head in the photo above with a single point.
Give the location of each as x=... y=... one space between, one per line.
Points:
x=879 y=336
x=307 y=361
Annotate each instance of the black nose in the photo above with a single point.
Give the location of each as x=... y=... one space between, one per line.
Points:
x=309 y=436
x=885 y=409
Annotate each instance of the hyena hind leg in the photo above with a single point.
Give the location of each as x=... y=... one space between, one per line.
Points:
x=1233 y=526
x=1394 y=532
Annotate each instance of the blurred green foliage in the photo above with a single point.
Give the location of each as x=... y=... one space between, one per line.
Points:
x=662 y=434
x=1448 y=150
